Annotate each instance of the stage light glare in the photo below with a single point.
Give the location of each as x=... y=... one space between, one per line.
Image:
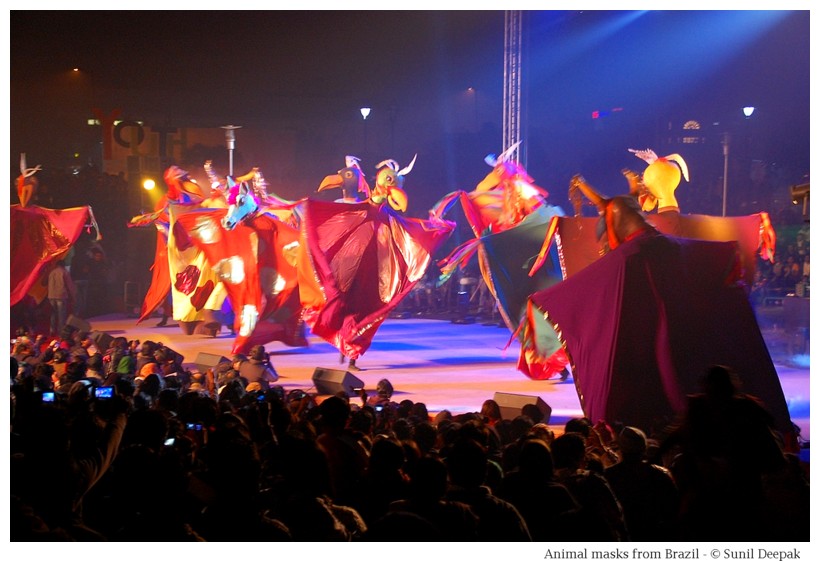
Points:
x=748 y=110
x=149 y=184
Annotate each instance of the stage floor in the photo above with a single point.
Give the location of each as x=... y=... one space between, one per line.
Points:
x=444 y=364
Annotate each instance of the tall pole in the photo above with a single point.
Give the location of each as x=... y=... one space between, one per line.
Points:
x=725 y=143
x=365 y=111
x=512 y=81
x=230 y=140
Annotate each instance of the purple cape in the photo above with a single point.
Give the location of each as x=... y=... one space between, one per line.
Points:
x=643 y=324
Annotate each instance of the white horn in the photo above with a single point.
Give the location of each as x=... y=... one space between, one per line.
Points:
x=27 y=172
x=406 y=170
x=677 y=158
x=507 y=153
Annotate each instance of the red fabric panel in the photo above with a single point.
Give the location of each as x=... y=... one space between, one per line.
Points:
x=160 y=280
x=745 y=230
x=226 y=244
x=366 y=258
x=644 y=323
x=579 y=246
x=39 y=236
x=261 y=245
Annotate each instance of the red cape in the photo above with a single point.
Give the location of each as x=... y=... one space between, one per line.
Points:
x=643 y=324
x=265 y=280
x=39 y=236
x=358 y=261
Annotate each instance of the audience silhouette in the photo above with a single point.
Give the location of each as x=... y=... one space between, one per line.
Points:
x=187 y=456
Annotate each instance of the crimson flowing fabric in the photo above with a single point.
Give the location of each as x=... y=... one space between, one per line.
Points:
x=643 y=324
x=160 y=276
x=358 y=261
x=256 y=263
x=575 y=241
x=38 y=237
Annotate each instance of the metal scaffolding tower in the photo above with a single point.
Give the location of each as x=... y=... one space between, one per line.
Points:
x=512 y=81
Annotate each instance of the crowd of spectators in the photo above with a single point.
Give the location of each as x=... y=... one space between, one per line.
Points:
x=790 y=271
x=127 y=444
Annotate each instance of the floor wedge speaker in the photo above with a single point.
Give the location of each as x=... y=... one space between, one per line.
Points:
x=205 y=361
x=333 y=381
x=101 y=339
x=78 y=323
x=511 y=404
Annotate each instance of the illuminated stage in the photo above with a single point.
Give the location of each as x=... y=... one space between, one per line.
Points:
x=444 y=364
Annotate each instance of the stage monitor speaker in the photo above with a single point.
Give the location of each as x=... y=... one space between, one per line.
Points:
x=78 y=323
x=205 y=361
x=101 y=339
x=175 y=355
x=511 y=405
x=333 y=381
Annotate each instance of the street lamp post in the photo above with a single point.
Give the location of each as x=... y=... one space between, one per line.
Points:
x=725 y=143
x=365 y=111
x=230 y=140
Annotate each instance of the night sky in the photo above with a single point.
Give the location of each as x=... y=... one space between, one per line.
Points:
x=305 y=53
x=208 y=68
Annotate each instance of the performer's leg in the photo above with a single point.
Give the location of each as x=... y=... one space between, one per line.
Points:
x=58 y=315
x=166 y=308
x=54 y=317
x=63 y=308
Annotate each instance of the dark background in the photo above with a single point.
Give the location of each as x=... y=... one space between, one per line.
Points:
x=263 y=69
